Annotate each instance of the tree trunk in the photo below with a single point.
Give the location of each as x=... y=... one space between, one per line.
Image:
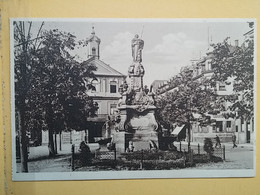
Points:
x=55 y=143
x=70 y=137
x=189 y=134
x=23 y=141
x=51 y=143
x=60 y=140
x=50 y=124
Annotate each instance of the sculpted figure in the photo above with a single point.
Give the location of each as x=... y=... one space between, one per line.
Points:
x=137 y=47
x=131 y=69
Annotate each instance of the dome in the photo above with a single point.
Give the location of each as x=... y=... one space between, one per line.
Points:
x=93 y=36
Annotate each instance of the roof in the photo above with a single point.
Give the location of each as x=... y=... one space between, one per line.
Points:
x=232 y=48
x=177 y=130
x=158 y=83
x=103 y=69
x=249 y=32
x=93 y=36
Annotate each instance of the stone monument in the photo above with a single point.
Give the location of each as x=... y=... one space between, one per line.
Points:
x=137 y=128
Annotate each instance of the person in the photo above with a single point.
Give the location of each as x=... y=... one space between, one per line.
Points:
x=217 y=141
x=234 y=140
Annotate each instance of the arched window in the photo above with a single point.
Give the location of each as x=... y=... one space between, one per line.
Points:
x=93 y=51
x=96 y=85
x=113 y=87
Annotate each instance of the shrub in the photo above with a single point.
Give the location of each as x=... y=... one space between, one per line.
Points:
x=85 y=155
x=208 y=146
x=152 y=155
x=203 y=158
x=164 y=165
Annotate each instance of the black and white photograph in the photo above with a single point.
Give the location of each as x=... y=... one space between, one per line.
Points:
x=132 y=98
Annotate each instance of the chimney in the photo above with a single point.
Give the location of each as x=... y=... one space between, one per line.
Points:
x=236 y=43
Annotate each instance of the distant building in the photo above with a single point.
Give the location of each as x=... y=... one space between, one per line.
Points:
x=106 y=92
x=157 y=84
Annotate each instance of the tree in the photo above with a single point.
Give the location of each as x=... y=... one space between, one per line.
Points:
x=23 y=61
x=58 y=89
x=237 y=63
x=187 y=98
x=48 y=81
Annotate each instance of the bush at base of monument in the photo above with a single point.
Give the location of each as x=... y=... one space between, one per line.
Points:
x=208 y=147
x=85 y=155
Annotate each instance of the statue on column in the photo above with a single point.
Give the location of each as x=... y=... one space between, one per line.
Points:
x=137 y=47
x=136 y=68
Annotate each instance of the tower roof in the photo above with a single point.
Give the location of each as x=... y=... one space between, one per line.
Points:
x=93 y=36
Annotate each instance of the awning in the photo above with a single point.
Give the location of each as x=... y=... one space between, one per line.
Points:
x=177 y=130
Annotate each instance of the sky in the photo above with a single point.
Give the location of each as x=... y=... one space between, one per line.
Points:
x=169 y=44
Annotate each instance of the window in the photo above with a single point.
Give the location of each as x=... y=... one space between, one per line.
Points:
x=113 y=87
x=228 y=125
x=222 y=87
x=219 y=126
x=236 y=128
x=214 y=128
x=96 y=86
x=93 y=51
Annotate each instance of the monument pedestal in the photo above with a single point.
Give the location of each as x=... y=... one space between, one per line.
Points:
x=138 y=127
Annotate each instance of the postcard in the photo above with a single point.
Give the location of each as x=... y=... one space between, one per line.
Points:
x=132 y=98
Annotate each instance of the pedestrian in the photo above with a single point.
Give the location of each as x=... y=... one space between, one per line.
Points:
x=217 y=141
x=234 y=138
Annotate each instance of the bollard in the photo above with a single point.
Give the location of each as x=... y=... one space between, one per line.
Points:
x=180 y=146
x=72 y=157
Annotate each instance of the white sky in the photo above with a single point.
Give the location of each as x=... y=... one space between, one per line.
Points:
x=168 y=44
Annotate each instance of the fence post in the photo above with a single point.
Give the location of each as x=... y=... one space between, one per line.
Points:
x=180 y=146
x=142 y=158
x=115 y=155
x=224 y=155
x=72 y=157
x=198 y=148
x=191 y=156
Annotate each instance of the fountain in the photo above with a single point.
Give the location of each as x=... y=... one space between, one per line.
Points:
x=137 y=127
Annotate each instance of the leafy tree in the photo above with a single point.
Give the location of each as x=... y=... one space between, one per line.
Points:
x=50 y=86
x=186 y=99
x=237 y=63
x=59 y=85
x=24 y=46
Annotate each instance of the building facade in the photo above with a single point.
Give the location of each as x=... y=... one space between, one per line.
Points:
x=106 y=87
